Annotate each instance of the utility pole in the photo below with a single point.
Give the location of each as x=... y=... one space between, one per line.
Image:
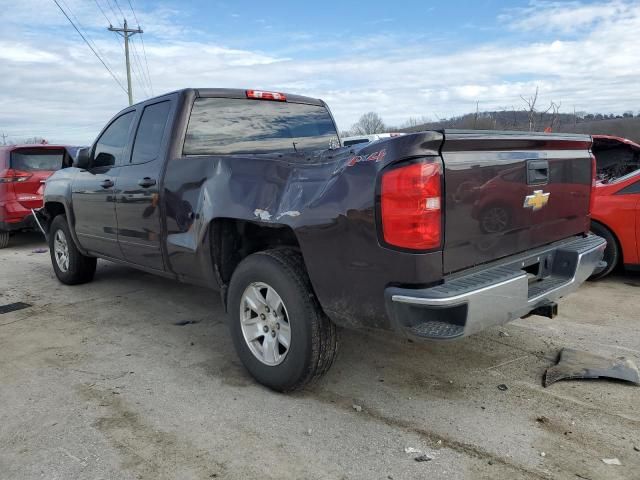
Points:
x=4 y=138
x=126 y=33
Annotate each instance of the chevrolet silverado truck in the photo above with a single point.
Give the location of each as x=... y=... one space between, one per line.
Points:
x=434 y=235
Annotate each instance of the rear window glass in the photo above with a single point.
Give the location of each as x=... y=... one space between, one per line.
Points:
x=35 y=159
x=223 y=126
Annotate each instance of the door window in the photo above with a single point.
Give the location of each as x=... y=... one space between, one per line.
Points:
x=150 y=132
x=110 y=146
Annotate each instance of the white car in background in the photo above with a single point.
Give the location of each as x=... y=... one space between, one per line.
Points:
x=349 y=141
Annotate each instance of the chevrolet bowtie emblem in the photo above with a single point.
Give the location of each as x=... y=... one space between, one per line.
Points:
x=537 y=200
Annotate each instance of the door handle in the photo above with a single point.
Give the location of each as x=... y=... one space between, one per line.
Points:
x=106 y=183
x=537 y=172
x=147 y=182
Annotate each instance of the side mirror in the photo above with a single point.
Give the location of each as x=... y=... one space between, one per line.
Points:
x=83 y=158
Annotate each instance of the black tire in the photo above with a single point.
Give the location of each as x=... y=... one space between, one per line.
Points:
x=611 y=253
x=4 y=239
x=80 y=268
x=313 y=342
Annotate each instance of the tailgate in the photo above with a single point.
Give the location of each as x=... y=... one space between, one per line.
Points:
x=508 y=192
x=36 y=164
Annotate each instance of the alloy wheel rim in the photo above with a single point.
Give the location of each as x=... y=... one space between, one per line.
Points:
x=265 y=323
x=61 y=250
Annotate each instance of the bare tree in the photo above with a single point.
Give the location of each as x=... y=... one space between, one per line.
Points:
x=554 y=109
x=530 y=108
x=368 y=124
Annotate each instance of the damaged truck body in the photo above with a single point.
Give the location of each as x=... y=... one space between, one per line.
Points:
x=434 y=235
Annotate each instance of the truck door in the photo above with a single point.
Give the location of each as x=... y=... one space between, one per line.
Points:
x=93 y=195
x=137 y=189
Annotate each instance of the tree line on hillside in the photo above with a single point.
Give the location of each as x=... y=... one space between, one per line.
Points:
x=530 y=117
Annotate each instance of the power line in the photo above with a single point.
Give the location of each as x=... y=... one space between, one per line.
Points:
x=103 y=14
x=119 y=9
x=115 y=15
x=89 y=45
x=144 y=50
x=142 y=80
x=133 y=11
x=86 y=34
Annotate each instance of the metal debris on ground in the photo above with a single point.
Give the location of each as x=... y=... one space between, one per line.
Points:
x=357 y=408
x=423 y=458
x=612 y=461
x=502 y=387
x=575 y=364
x=12 y=307
x=182 y=323
x=40 y=250
x=502 y=333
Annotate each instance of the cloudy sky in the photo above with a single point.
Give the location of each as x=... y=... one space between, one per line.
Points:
x=402 y=59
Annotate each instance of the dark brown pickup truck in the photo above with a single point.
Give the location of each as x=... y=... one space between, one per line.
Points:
x=434 y=235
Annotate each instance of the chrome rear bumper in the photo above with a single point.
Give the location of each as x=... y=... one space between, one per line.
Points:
x=470 y=302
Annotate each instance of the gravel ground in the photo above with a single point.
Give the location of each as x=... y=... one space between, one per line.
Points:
x=99 y=382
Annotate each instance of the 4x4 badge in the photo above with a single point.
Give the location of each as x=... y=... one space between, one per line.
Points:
x=536 y=200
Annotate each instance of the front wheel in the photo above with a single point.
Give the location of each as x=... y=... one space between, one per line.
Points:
x=70 y=266
x=279 y=330
x=4 y=239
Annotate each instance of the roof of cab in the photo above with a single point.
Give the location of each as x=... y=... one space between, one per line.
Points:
x=32 y=145
x=235 y=93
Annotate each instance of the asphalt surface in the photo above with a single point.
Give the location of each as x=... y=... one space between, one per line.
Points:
x=134 y=377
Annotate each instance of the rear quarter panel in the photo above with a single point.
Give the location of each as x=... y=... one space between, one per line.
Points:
x=328 y=203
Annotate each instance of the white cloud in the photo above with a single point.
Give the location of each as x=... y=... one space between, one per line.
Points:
x=52 y=85
x=566 y=16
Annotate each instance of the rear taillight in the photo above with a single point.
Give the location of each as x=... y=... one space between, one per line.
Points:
x=411 y=206
x=10 y=175
x=262 y=95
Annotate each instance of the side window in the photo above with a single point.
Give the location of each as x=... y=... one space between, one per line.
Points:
x=146 y=146
x=110 y=145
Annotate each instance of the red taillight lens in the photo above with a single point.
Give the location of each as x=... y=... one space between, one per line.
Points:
x=262 y=95
x=11 y=175
x=411 y=206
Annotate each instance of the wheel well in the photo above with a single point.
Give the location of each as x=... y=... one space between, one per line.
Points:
x=615 y=239
x=233 y=240
x=54 y=209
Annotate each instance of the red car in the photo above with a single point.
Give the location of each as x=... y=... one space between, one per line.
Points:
x=616 y=208
x=23 y=171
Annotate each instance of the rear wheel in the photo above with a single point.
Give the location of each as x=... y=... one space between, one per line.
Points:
x=70 y=266
x=4 y=239
x=278 y=328
x=611 y=253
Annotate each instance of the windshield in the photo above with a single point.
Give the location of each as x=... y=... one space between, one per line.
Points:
x=223 y=126
x=37 y=159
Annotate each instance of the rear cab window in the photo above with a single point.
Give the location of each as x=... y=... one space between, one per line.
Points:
x=234 y=126
x=146 y=146
x=38 y=159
